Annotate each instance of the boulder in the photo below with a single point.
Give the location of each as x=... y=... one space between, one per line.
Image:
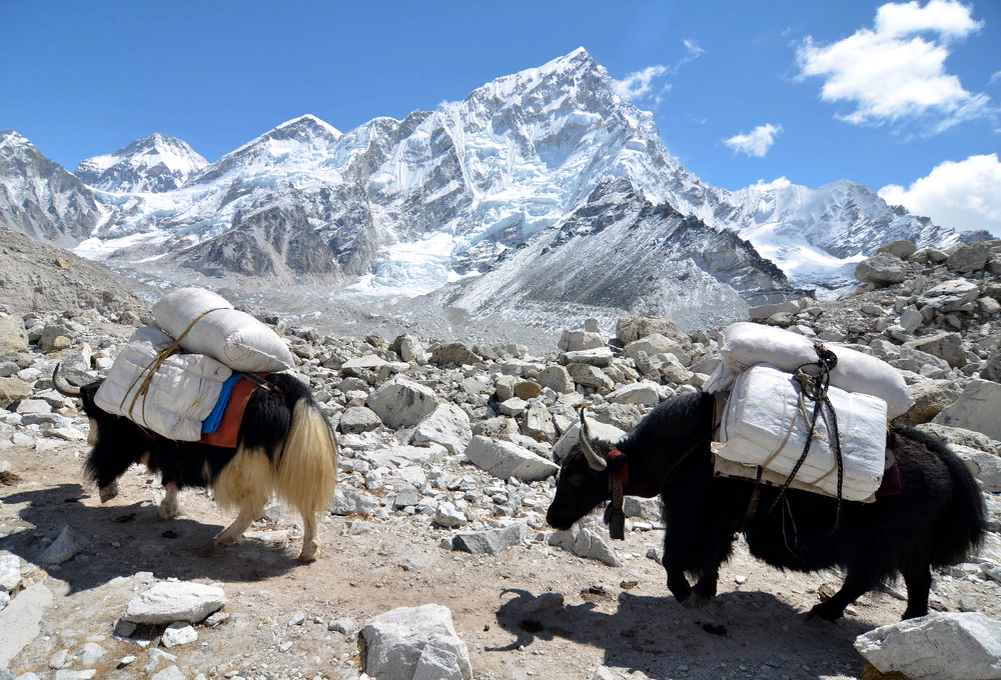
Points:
x=453 y=353
x=175 y=601
x=583 y=540
x=13 y=390
x=537 y=423
x=762 y=312
x=631 y=328
x=350 y=501
x=490 y=542
x=976 y=409
x=658 y=344
x=643 y=393
x=527 y=389
x=985 y=466
x=401 y=403
x=10 y=572
x=883 y=269
x=590 y=376
x=415 y=642
x=572 y=341
x=556 y=378
x=942 y=645
x=447 y=425
x=20 y=619
x=971 y=257
x=411 y=350
x=902 y=249
x=947 y=346
x=358 y=419
x=504 y=459
x=62 y=549
x=600 y=357
x=930 y=397
x=13 y=337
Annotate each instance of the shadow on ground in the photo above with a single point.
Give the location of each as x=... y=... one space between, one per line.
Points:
x=180 y=548
x=738 y=633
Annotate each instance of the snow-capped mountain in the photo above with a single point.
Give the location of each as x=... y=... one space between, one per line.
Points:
x=441 y=196
x=40 y=198
x=156 y=163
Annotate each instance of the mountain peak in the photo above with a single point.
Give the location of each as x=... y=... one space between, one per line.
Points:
x=312 y=121
x=155 y=163
x=13 y=138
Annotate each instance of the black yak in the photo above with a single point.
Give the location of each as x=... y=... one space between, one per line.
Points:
x=936 y=519
x=285 y=445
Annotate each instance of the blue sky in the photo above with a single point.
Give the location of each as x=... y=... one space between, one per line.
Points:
x=902 y=97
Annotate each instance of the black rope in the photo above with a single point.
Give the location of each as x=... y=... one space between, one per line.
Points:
x=815 y=389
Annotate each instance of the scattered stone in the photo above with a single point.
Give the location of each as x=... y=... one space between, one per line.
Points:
x=976 y=409
x=358 y=419
x=583 y=541
x=401 y=403
x=62 y=549
x=216 y=619
x=574 y=341
x=942 y=645
x=89 y=653
x=453 y=353
x=170 y=602
x=19 y=620
x=448 y=516
x=169 y=673
x=10 y=572
x=448 y=425
x=65 y=674
x=883 y=269
x=490 y=542
x=350 y=501
x=397 y=640
x=504 y=459
x=13 y=390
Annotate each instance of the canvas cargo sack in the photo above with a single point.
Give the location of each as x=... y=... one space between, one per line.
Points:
x=746 y=344
x=233 y=337
x=763 y=424
x=181 y=392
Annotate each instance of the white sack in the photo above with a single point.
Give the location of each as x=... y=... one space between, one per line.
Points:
x=181 y=394
x=746 y=344
x=763 y=409
x=235 y=338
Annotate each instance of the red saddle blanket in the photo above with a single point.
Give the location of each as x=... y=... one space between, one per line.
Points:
x=229 y=427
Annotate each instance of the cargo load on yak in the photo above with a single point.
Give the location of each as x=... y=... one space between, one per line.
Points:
x=178 y=383
x=797 y=413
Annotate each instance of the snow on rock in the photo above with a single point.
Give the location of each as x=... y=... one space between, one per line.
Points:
x=156 y=163
x=172 y=601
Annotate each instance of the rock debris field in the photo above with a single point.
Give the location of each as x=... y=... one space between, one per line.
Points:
x=436 y=560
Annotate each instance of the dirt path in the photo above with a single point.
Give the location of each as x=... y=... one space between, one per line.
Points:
x=754 y=630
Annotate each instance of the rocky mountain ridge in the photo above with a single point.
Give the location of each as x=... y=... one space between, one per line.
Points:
x=407 y=206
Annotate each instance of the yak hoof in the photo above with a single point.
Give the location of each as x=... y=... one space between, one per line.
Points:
x=308 y=553
x=109 y=492
x=167 y=511
x=822 y=617
x=695 y=600
x=227 y=537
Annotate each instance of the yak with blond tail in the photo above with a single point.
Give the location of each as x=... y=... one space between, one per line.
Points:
x=285 y=446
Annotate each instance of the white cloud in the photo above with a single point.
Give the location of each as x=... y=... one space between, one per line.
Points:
x=640 y=84
x=995 y=78
x=762 y=185
x=757 y=142
x=964 y=195
x=892 y=74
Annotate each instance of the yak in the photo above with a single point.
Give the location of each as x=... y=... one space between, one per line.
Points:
x=285 y=445
x=935 y=520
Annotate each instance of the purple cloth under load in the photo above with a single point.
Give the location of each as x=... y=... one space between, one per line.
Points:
x=890 y=486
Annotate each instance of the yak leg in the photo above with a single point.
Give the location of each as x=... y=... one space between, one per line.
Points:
x=918 y=584
x=310 y=543
x=677 y=582
x=169 y=507
x=109 y=491
x=856 y=584
x=250 y=509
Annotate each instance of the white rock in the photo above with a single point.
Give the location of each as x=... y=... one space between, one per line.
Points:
x=169 y=673
x=62 y=549
x=10 y=572
x=369 y=361
x=89 y=652
x=19 y=620
x=401 y=403
x=179 y=633
x=504 y=459
x=169 y=602
x=447 y=425
x=584 y=541
x=396 y=642
x=942 y=645
x=976 y=409
x=557 y=379
x=643 y=393
x=448 y=516
x=66 y=674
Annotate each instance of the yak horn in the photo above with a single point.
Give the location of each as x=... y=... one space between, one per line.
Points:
x=595 y=461
x=62 y=386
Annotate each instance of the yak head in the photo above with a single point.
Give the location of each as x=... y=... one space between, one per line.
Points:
x=85 y=394
x=584 y=482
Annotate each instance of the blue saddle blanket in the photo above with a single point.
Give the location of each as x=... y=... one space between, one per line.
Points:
x=211 y=424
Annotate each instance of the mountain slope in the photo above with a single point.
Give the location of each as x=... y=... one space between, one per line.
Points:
x=153 y=164
x=39 y=198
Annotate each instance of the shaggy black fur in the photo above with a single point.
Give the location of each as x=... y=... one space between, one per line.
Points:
x=120 y=442
x=937 y=519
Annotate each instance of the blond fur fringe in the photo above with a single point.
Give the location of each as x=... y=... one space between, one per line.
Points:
x=306 y=473
x=246 y=482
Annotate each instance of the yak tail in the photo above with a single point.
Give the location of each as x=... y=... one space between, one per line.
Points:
x=962 y=524
x=306 y=472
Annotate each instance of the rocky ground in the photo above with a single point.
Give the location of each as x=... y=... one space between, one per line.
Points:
x=443 y=501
